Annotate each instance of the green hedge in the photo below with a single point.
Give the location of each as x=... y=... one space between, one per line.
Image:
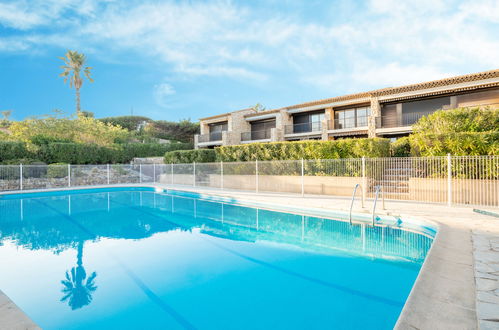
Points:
x=152 y=149
x=76 y=153
x=189 y=156
x=348 y=148
x=456 y=144
x=401 y=147
x=13 y=150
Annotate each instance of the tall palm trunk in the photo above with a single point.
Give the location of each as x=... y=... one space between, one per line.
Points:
x=78 y=109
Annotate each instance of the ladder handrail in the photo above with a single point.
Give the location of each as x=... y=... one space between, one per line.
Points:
x=353 y=199
x=378 y=189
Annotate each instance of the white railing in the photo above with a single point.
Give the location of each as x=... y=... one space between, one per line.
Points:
x=471 y=180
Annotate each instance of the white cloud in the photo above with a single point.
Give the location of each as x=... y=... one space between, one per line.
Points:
x=17 y=15
x=162 y=92
x=390 y=42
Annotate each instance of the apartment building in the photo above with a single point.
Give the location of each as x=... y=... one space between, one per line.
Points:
x=388 y=112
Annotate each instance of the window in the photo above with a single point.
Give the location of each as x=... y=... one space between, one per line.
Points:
x=350 y=118
x=218 y=127
x=308 y=122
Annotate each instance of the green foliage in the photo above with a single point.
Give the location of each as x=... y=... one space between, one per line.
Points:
x=401 y=147
x=348 y=148
x=57 y=128
x=130 y=123
x=152 y=149
x=458 y=120
x=456 y=144
x=183 y=130
x=459 y=132
x=13 y=150
x=75 y=153
x=190 y=156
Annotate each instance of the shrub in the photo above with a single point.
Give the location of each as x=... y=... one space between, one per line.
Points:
x=56 y=128
x=348 y=148
x=57 y=170
x=401 y=147
x=459 y=120
x=75 y=153
x=131 y=123
x=13 y=150
x=456 y=144
x=184 y=130
x=459 y=131
x=190 y=156
x=17 y=161
x=152 y=149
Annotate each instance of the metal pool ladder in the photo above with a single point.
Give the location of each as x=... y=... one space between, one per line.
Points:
x=378 y=189
x=353 y=199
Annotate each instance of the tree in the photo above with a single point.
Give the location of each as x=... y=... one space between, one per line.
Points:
x=73 y=65
x=6 y=114
x=258 y=107
x=4 y=122
x=78 y=292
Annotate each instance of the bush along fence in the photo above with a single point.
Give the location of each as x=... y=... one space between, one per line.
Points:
x=471 y=180
x=79 y=153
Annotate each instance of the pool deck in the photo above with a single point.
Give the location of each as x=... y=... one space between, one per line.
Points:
x=457 y=288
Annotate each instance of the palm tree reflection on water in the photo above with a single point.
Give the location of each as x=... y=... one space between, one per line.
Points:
x=77 y=288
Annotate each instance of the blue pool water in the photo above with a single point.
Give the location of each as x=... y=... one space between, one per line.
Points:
x=133 y=258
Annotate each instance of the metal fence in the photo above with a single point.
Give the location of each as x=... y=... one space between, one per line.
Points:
x=471 y=180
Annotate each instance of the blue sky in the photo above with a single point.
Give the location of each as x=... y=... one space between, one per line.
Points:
x=188 y=59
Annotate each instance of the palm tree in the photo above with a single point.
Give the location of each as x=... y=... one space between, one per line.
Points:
x=6 y=114
x=73 y=65
x=75 y=288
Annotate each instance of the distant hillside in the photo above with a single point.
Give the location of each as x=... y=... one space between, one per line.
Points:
x=183 y=130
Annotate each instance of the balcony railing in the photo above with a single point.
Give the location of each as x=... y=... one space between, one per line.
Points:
x=348 y=123
x=255 y=135
x=406 y=119
x=303 y=128
x=211 y=137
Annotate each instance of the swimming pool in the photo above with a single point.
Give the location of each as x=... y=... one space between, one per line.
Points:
x=144 y=258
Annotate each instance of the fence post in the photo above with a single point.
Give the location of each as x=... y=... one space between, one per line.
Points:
x=20 y=176
x=256 y=175
x=449 y=180
x=69 y=175
x=154 y=172
x=302 y=177
x=364 y=180
x=108 y=174
x=171 y=167
x=222 y=175
x=194 y=174
x=140 y=173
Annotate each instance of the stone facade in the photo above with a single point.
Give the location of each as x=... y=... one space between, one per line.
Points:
x=386 y=105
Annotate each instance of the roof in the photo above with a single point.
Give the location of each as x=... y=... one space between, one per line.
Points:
x=224 y=114
x=259 y=113
x=384 y=92
x=404 y=89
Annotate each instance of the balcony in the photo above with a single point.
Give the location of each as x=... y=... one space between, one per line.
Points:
x=315 y=127
x=255 y=135
x=348 y=123
x=211 y=137
x=406 y=119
